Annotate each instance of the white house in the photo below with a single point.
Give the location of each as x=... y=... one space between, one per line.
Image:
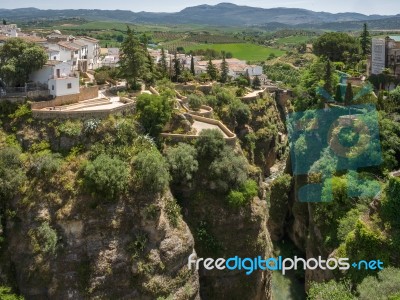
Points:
x=59 y=77
x=236 y=67
x=110 y=57
x=53 y=54
x=10 y=30
x=254 y=70
x=93 y=51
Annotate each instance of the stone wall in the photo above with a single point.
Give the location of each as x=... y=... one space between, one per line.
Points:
x=175 y=138
x=92 y=114
x=85 y=94
x=206 y=89
x=39 y=94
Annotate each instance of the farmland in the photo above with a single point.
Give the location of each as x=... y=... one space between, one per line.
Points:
x=170 y=37
x=293 y=40
x=245 y=51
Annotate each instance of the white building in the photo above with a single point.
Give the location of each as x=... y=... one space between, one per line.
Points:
x=110 y=57
x=93 y=51
x=59 y=77
x=10 y=30
x=236 y=67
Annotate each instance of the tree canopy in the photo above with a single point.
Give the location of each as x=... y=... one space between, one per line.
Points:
x=336 y=46
x=153 y=112
x=18 y=59
x=133 y=59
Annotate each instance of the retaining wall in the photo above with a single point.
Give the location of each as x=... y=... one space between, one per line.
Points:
x=85 y=93
x=230 y=139
x=93 y=114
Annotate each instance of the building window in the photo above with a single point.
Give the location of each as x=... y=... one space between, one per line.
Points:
x=52 y=87
x=55 y=57
x=69 y=85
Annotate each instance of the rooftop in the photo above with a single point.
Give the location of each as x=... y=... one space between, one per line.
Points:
x=396 y=38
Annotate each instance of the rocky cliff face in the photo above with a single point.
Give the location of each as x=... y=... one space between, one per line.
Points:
x=62 y=245
x=222 y=231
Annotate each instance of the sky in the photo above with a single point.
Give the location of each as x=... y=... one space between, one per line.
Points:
x=383 y=7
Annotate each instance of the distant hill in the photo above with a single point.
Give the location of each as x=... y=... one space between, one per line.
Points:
x=226 y=14
x=389 y=23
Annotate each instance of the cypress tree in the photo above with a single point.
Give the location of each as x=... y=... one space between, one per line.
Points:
x=365 y=41
x=348 y=98
x=224 y=69
x=328 y=77
x=247 y=76
x=338 y=94
x=192 y=70
x=211 y=70
x=177 y=69
x=162 y=63
x=256 y=83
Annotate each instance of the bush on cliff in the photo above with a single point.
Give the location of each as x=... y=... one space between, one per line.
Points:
x=106 y=177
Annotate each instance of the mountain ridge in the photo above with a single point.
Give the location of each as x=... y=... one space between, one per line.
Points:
x=224 y=13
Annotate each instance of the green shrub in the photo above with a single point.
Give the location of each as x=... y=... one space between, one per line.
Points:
x=70 y=128
x=138 y=245
x=23 y=111
x=46 y=164
x=228 y=170
x=153 y=112
x=47 y=238
x=279 y=198
x=195 y=102
x=207 y=241
x=331 y=290
x=239 y=112
x=209 y=144
x=364 y=243
x=151 y=171
x=391 y=202
x=7 y=294
x=242 y=196
x=12 y=174
x=182 y=162
x=173 y=211
x=347 y=223
x=107 y=177
x=236 y=198
x=384 y=286
x=101 y=77
x=249 y=189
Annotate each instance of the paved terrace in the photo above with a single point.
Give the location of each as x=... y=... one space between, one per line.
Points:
x=200 y=126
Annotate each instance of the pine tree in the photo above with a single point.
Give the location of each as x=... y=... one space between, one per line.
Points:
x=192 y=70
x=328 y=77
x=4 y=22
x=224 y=69
x=133 y=61
x=211 y=70
x=348 y=98
x=256 y=83
x=365 y=41
x=177 y=69
x=162 y=64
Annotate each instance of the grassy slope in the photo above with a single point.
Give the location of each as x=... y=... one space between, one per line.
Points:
x=241 y=51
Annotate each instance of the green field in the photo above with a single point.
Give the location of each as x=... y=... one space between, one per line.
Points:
x=249 y=52
x=293 y=40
